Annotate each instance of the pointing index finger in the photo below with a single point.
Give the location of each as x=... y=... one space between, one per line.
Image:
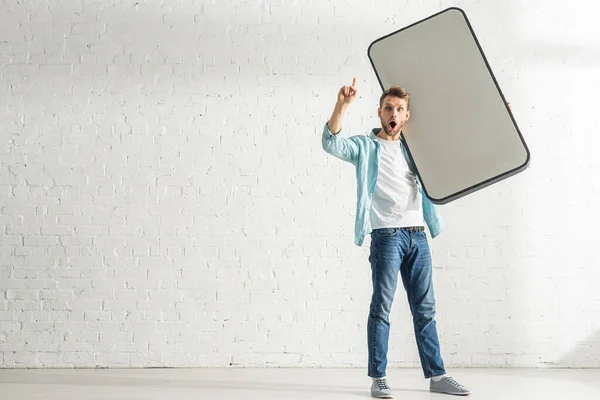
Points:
x=354 y=83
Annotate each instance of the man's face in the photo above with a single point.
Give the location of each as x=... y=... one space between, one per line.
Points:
x=393 y=114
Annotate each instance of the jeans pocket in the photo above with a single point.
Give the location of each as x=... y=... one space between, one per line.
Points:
x=386 y=232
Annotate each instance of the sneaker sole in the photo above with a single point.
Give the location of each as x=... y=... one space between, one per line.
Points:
x=453 y=394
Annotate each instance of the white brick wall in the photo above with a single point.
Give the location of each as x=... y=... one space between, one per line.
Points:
x=165 y=201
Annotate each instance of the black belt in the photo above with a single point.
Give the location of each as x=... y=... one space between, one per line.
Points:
x=414 y=228
x=409 y=228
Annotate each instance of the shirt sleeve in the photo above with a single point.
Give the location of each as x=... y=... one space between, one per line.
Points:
x=343 y=148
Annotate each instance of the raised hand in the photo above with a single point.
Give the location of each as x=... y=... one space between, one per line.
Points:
x=347 y=94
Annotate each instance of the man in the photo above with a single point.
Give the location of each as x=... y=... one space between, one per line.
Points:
x=392 y=208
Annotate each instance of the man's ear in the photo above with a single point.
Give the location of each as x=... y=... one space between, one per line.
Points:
x=407 y=115
x=379 y=112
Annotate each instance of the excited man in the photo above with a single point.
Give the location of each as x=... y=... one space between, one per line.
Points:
x=392 y=208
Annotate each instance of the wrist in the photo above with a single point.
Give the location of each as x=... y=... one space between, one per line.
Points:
x=341 y=107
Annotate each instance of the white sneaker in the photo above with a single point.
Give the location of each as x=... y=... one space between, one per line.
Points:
x=449 y=386
x=381 y=390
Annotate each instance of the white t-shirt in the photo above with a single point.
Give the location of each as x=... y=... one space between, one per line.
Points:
x=397 y=198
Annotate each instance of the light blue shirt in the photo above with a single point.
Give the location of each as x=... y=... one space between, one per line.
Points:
x=362 y=151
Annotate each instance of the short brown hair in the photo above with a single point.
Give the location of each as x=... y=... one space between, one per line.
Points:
x=396 y=91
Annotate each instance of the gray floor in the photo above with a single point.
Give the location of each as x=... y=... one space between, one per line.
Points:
x=226 y=384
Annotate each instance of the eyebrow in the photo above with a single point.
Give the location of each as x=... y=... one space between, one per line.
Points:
x=390 y=104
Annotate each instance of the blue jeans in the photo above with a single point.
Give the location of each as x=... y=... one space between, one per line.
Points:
x=393 y=251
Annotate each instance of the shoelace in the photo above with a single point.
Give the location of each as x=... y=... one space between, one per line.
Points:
x=382 y=383
x=453 y=382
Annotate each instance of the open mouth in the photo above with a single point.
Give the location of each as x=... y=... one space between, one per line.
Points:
x=393 y=124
